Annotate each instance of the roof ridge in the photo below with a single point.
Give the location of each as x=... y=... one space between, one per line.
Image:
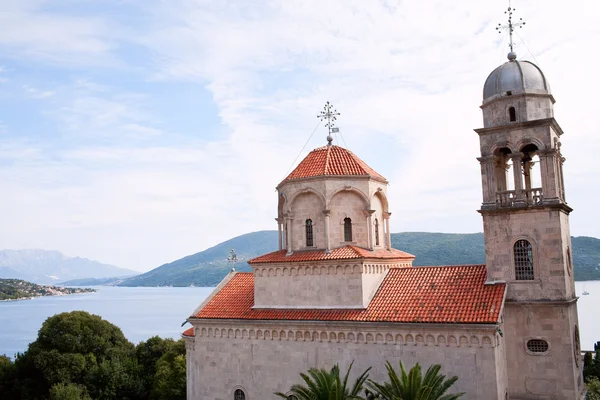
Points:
x=327 y=158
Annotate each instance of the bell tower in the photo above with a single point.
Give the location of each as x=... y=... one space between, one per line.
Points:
x=526 y=229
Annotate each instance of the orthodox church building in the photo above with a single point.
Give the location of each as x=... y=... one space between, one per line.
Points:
x=337 y=292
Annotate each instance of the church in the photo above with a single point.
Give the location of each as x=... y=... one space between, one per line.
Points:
x=337 y=292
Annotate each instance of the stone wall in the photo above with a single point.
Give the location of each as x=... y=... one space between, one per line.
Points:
x=328 y=284
x=527 y=108
x=261 y=358
x=545 y=230
x=555 y=374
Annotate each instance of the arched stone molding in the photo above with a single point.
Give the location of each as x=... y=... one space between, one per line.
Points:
x=383 y=198
x=305 y=190
x=529 y=140
x=496 y=147
x=361 y=194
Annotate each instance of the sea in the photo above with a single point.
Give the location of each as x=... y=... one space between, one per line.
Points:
x=143 y=312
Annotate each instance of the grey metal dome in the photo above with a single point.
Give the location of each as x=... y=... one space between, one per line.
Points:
x=515 y=77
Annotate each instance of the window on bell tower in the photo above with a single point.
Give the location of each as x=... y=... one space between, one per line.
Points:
x=309 y=233
x=512 y=114
x=347 y=229
x=376 y=232
x=523 y=253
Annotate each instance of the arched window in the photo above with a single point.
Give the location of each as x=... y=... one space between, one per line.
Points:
x=309 y=233
x=376 y=232
x=347 y=229
x=512 y=114
x=239 y=395
x=523 y=253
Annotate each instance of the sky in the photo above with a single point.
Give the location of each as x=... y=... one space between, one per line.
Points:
x=135 y=132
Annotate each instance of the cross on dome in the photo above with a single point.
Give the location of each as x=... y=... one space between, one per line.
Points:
x=330 y=114
x=510 y=27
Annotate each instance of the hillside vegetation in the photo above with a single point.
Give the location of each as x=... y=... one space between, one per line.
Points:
x=14 y=289
x=208 y=267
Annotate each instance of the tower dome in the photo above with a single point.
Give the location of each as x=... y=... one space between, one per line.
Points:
x=515 y=77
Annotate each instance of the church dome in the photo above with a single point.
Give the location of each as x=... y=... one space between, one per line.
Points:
x=332 y=160
x=515 y=77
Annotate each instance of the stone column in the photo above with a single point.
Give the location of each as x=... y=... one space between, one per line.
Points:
x=370 y=240
x=488 y=180
x=327 y=239
x=388 y=234
x=518 y=177
x=549 y=168
x=288 y=233
x=279 y=233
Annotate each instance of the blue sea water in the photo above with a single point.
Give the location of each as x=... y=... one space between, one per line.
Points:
x=139 y=312
x=145 y=312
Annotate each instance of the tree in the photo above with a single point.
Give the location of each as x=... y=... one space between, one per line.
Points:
x=322 y=384
x=593 y=386
x=69 y=391
x=82 y=349
x=414 y=386
x=170 y=379
x=7 y=375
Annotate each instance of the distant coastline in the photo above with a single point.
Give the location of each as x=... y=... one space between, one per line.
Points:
x=17 y=289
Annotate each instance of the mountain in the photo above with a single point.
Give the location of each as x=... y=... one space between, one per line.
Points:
x=111 y=281
x=208 y=267
x=45 y=266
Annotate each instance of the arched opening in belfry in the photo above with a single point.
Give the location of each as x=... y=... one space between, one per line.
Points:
x=532 y=176
x=512 y=114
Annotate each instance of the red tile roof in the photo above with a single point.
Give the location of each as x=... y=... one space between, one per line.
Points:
x=189 y=332
x=332 y=160
x=341 y=253
x=455 y=294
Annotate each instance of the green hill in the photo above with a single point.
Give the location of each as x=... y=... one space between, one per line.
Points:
x=208 y=267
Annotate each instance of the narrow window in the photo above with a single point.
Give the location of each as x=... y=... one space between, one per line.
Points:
x=512 y=113
x=347 y=229
x=523 y=253
x=537 y=346
x=569 y=261
x=239 y=395
x=376 y=232
x=309 y=233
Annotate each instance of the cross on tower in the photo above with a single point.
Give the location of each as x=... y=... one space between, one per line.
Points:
x=510 y=27
x=330 y=114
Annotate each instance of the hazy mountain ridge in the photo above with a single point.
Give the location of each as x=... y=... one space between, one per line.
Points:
x=208 y=267
x=50 y=266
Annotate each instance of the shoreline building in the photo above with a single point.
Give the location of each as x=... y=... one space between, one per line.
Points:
x=337 y=292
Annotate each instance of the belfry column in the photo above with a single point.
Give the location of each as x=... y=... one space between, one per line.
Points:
x=327 y=239
x=279 y=232
x=388 y=235
x=288 y=233
x=518 y=177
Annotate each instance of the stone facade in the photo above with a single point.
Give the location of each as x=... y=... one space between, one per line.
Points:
x=262 y=358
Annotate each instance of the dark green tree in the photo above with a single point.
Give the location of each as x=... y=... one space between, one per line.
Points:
x=322 y=384
x=7 y=376
x=82 y=349
x=414 y=386
x=169 y=380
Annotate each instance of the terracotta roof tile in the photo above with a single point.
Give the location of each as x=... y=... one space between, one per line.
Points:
x=454 y=294
x=332 y=160
x=341 y=253
x=189 y=332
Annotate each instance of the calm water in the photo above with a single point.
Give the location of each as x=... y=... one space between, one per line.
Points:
x=145 y=312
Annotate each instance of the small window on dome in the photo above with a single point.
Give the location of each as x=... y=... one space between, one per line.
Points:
x=512 y=114
x=309 y=233
x=347 y=229
x=537 y=346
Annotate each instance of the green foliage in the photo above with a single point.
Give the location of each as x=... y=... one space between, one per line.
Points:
x=593 y=387
x=68 y=391
x=322 y=384
x=81 y=356
x=207 y=268
x=591 y=364
x=414 y=386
